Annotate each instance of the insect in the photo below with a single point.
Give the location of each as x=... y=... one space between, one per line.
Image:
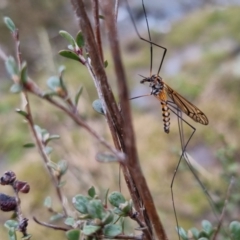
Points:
x=174 y=102
x=160 y=90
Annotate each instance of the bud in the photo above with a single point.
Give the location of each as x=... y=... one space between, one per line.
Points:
x=21 y=186
x=8 y=178
x=7 y=203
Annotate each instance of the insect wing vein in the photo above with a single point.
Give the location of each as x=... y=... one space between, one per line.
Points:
x=185 y=106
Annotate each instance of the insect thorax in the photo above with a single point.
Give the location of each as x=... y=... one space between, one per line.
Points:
x=156 y=84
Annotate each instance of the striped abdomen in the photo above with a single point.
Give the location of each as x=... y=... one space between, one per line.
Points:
x=166 y=116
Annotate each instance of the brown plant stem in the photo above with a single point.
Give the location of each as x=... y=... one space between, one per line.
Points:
x=50 y=225
x=133 y=163
x=113 y=115
x=97 y=27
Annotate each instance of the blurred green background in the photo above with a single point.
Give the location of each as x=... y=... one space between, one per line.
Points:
x=202 y=63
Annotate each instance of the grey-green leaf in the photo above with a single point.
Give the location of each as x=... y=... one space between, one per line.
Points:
x=11 y=66
x=10 y=24
x=116 y=198
x=16 y=88
x=112 y=230
x=90 y=229
x=97 y=106
x=81 y=202
x=29 y=145
x=95 y=209
x=48 y=202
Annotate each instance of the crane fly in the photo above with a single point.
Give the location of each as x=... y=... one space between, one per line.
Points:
x=161 y=90
x=177 y=104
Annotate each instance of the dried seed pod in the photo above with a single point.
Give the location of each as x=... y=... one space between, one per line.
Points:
x=8 y=178
x=7 y=203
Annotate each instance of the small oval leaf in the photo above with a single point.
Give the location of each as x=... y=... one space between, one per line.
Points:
x=73 y=234
x=80 y=39
x=68 y=37
x=90 y=229
x=29 y=145
x=97 y=106
x=116 y=198
x=48 y=202
x=69 y=54
x=91 y=192
x=80 y=202
x=16 y=88
x=112 y=230
x=10 y=24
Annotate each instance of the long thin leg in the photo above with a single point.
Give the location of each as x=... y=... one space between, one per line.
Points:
x=184 y=155
x=143 y=39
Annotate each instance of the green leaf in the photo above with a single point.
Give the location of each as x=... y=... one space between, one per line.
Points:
x=80 y=39
x=54 y=83
x=112 y=230
x=95 y=208
x=51 y=137
x=182 y=233
x=11 y=66
x=12 y=234
x=106 y=157
x=61 y=69
x=48 y=202
x=116 y=198
x=73 y=234
x=69 y=54
x=106 y=197
x=11 y=224
x=47 y=150
x=56 y=217
x=108 y=218
x=235 y=230
x=125 y=207
x=105 y=64
x=207 y=227
x=203 y=234
x=90 y=229
x=97 y=106
x=81 y=202
x=91 y=192
x=62 y=167
x=53 y=165
x=70 y=221
x=68 y=37
x=29 y=145
x=10 y=24
x=79 y=92
x=195 y=233
x=21 y=112
x=16 y=88
x=23 y=73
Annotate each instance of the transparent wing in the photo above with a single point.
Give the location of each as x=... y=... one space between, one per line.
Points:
x=185 y=106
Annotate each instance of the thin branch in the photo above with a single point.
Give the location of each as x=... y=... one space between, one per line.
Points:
x=31 y=125
x=50 y=225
